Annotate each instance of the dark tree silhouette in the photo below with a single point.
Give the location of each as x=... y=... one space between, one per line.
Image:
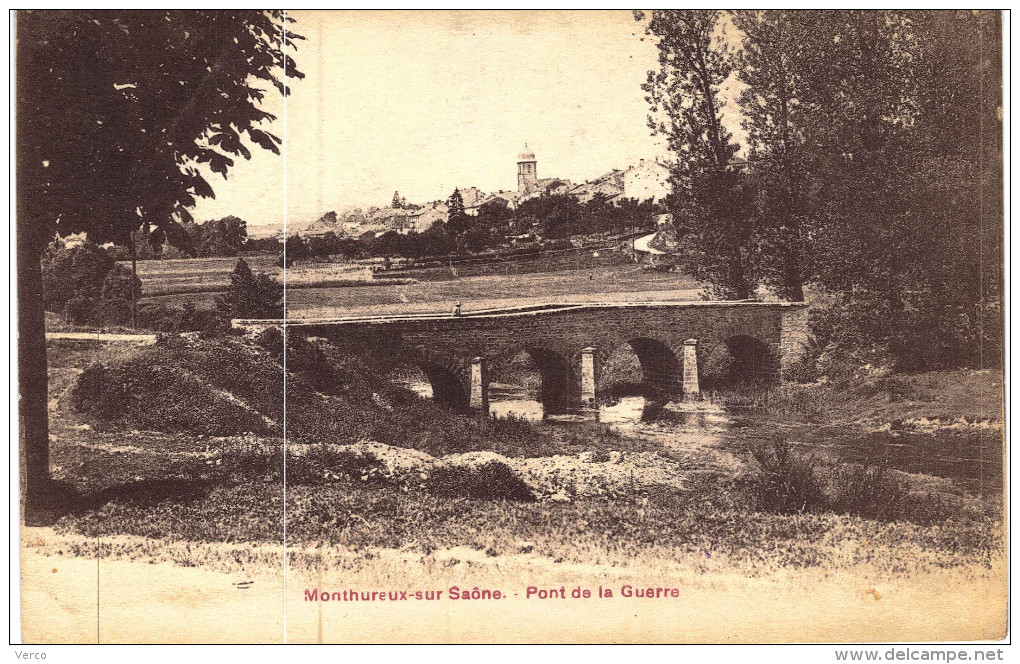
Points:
x=250 y=295
x=457 y=218
x=118 y=113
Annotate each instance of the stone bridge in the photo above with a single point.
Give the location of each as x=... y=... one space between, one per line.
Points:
x=570 y=344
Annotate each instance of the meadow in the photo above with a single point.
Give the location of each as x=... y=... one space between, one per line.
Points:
x=607 y=278
x=204 y=277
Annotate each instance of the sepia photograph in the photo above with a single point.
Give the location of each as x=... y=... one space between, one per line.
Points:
x=510 y=327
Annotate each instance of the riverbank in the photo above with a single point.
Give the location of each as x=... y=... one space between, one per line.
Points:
x=671 y=502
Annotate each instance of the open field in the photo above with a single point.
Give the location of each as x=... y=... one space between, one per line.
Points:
x=627 y=282
x=208 y=276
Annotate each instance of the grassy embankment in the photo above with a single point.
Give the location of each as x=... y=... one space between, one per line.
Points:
x=181 y=447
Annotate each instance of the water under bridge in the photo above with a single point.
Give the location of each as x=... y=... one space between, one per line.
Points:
x=570 y=343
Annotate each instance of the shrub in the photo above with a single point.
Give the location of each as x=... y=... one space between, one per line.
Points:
x=250 y=295
x=79 y=310
x=323 y=463
x=785 y=482
x=118 y=284
x=271 y=339
x=866 y=491
x=187 y=318
x=492 y=480
x=112 y=311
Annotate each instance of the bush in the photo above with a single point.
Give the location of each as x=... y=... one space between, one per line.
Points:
x=173 y=320
x=785 y=482
x=251 y=295
x=788 y=483
x=271 y=339
x=323 y=464
x=491 y=480
x=112 y=311
x=79 y=310
x=118 y=284
x=868 y=492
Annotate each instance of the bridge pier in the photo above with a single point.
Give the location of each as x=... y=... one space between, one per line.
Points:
x=588 y=377
x=690 y=364
x=478 y=400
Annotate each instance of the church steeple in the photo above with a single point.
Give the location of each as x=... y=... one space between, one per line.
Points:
x=527 y=171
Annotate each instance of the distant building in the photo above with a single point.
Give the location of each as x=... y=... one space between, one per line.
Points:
x=327 y=223
x=527 y=172
x=647 y=180
x=422 y=219
x=472 y=196
x=609 y=187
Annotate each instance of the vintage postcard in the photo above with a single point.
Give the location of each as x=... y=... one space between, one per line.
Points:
x=671 y=326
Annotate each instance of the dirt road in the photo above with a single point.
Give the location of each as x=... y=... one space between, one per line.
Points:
x=82 y=600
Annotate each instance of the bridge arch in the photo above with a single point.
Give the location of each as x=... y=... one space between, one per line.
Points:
x=541 y=369
x=448 y=378
x=660 y=369
x=740 y=359
x=555 y=372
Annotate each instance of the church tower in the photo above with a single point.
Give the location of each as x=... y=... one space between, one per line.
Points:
x=527 y=172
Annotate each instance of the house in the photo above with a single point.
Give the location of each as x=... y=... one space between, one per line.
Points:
x=647 y=180
x=472 y=196
x=422 y=219
x=609 y=186
x=491 y=198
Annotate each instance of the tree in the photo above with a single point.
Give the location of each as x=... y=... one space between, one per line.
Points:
x=495 y=216
x=323 y=246
x=396 y=201
x=251 y=295
x=221 y=237
x=77 y=272
x=437 y=241
x=767 y=64
x=294 y=249
x=874 y=137
x=390 y=243
x=118 y=113
x=121 y=284
x=710 y=208
x=457 y=221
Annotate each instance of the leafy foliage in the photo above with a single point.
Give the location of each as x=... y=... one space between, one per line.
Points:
x=75 y=272
x=251 y=295
x=119 y=110
x=85 y=285
x=875 y=148
x=457 y=220
x=786 y=482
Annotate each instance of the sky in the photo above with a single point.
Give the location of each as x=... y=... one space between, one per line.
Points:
x=423 y=102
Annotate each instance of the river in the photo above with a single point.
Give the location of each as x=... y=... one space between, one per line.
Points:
x=969 y=456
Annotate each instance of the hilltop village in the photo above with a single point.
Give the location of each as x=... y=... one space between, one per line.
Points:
x=648 y=180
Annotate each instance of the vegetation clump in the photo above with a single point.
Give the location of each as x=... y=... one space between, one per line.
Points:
x=785 y=482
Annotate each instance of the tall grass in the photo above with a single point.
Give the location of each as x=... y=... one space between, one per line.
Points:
x=786 y=482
